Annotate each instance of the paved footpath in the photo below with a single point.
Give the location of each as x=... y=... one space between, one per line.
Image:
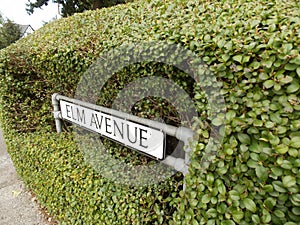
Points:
x=17 y=207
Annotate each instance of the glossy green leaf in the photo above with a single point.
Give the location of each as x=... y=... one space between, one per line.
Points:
x=206 y=198
x=295 y=142
x=234 y=195
x=290 y=66
x=238 y=58
x=269 y=83
x=278 y=186
x=237 y=215
x=266 y=217
x=250 y=204
x=279 y=213
x=261 y=172
x=244 y=138
x=281 y=149
x=293 y=87
x=298 y=71
x=270 y=203
x=288 y=181
x=217 y=121
x=227 y=222
x=290 y=223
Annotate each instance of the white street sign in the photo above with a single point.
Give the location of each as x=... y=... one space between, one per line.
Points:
x=137 y=136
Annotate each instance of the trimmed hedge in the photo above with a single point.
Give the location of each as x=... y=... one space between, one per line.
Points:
x=252 y=48
x=74 y=193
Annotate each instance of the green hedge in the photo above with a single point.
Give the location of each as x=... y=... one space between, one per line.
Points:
x=252 y=47
x=75 y=194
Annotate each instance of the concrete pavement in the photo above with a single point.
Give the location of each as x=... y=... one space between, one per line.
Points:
x=17 y=206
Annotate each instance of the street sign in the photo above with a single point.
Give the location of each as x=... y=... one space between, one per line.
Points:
x=137 y=136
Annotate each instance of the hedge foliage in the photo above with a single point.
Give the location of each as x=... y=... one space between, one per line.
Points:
x=253 y=49
x=74 y=193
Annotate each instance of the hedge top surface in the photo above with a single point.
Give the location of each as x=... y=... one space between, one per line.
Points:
x=181 y=21
x=235 y=37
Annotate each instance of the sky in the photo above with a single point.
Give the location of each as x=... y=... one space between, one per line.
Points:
x=15 y=10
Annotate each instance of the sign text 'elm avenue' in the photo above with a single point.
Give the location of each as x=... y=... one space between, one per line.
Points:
x=137 y=136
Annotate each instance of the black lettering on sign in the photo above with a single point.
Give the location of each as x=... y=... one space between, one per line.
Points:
x=107 y=125
x=116 y=127
x=68 y=111
x=73 y=117
x=128 y=135
x=81 y=117
x=95 y=121
x=75 y=114
x=143 y=138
